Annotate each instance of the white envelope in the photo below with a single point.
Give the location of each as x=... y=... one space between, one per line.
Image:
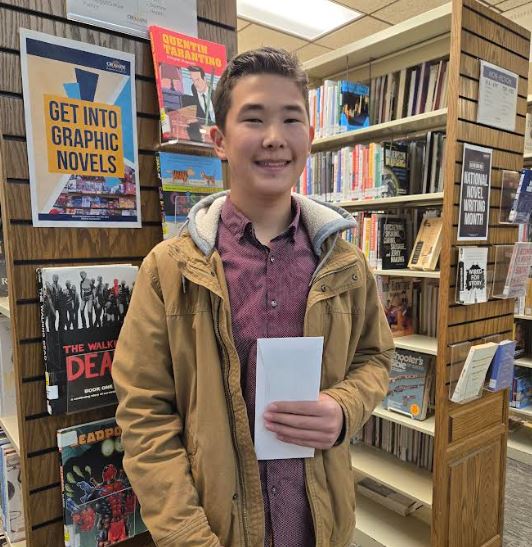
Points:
x=288 y=369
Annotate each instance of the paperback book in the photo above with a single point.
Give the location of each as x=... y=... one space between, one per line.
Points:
x=184 y=180
x=472 y=275
x=187 y=71
x=427 y=246
x=82 y=311
x=354 y=105
x=393 y=242
x=395 y=176
x=396 y=297
x=501 y=372
x=99 y=505
x=387 y=497
x=518 y=271
x=522 y=205
x=11 y=493
x=410 y=380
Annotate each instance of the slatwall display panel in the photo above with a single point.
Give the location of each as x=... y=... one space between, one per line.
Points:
x=28 y=248
x=477 y=33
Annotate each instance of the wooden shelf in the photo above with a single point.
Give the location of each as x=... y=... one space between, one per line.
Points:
x=408 y=273
x=524 y=362
x=378 y=526
x=520 y=445
x=4 y=306
x=401 y=476
x=526 y=411
x=425 y=426
x=521 y=316
x=378 y=132
x=10 y=426
x=17 y=544
x=412 y=200
x=414 y=32
x=418 y=342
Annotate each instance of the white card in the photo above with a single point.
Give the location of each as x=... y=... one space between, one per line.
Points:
x=288 y=369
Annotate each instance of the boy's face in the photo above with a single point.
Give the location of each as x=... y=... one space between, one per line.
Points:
x=267 y=136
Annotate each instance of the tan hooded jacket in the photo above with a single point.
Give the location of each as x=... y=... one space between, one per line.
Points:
x=188 y=450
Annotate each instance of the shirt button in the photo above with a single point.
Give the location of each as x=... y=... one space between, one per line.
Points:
x=274 y=303
x=272 y=258
x=274 y=490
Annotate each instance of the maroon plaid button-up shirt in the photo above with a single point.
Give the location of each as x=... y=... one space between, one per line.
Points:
x=268 y=289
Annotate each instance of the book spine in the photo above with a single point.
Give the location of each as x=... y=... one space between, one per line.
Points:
x=49 y=388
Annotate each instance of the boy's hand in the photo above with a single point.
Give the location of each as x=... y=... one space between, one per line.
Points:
x=306 y=423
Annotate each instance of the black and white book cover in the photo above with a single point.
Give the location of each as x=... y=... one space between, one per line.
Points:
x=472 y=275
x=82 y=311
x=473 y=219
x=393 y=243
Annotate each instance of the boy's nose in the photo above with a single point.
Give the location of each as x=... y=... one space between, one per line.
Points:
x=273 y=137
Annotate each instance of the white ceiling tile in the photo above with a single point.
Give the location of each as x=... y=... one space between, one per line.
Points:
x=510 y=4
x=310 y=51
x=254 y=36
x=365 y=6
x=351 y=33
x=405 y=9
x=241 y=23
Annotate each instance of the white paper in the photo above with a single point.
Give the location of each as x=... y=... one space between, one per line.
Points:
x=497 y=96
x=288 y=369
x=134 y=16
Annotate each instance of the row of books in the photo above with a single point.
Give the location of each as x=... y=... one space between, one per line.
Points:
x=409 y=91
x=12 y=512
x=375 y=170
x=338 y=106
x=403 y=442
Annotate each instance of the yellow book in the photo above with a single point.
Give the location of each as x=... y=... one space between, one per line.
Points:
x=427 y=246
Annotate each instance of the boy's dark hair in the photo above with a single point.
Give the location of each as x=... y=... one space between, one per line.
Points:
x=265 y=60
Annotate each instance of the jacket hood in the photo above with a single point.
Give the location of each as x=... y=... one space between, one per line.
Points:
x=321 y=220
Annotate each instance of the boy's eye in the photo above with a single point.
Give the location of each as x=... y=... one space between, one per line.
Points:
x=292 y=120
x=252 y=120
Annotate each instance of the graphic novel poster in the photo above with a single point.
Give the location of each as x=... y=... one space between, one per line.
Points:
x=79 y=102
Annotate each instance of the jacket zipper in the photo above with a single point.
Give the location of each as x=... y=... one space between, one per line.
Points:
x=225 y=358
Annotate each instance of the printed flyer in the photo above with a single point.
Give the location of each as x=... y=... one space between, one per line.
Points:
x=79 y=102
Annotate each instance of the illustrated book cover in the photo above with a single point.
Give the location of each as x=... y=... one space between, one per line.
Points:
x=99 y=505
x=395 y=172
x=354 y=105
x=187 y=71
x=410 y=379
x=396 y=297
x=472 y=275
x=184 y=180
x=82 y=311
x=522 y=205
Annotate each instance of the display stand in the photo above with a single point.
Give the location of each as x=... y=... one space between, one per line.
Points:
x=28 y=248
x=470 y=439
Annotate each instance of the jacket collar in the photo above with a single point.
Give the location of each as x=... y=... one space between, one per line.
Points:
x=321 y=221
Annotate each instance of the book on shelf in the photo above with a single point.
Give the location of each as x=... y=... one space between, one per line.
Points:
x=426 y=294
x=387 y=497
x=528 y=134
x=501 y=372
x=427 y=246
x=396 y=296
x=187 y=71
x=395 y=176
x=472 y=275
x=410 y=383
x=82 y=311
x=11 y=493
x=8 y=391
x=184 y=179
x=392 y=243
x=473 y=374
x=94 y=486
x=522 y=334
x=521 y=388
x=517 y=273
x=522 y=204
x=3 y=271
x=509 y=186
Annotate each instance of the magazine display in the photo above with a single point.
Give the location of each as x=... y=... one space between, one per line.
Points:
x=187 y=71
x=82 y=311
x=99 y=505
x=184 y=180
x=410 y=380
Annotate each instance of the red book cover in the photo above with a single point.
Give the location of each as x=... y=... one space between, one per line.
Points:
x=187 y=71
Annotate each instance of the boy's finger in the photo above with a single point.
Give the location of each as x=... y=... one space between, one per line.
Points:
x=308 y=408
x=296 y=421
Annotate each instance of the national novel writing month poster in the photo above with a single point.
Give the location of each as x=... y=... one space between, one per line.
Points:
x=79 y=102
x=475 y=194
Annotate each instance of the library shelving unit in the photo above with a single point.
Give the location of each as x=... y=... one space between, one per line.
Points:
x=464 y=495
x=28 y=248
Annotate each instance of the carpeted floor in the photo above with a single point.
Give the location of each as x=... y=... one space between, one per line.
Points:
x=518 y=505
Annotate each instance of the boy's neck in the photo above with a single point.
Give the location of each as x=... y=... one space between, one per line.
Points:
x=270 y=216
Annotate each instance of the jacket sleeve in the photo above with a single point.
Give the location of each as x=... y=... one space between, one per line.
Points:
x=366 y=381
x=155 y=461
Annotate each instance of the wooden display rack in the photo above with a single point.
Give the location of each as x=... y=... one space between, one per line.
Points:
x=467 y=488
x=28 y=248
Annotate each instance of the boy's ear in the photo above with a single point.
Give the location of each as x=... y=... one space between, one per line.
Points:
x=218 y=141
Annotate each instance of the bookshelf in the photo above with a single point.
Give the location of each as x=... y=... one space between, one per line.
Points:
x=408 y=273
x=10 y=426
x=418 y=342
x=4 y=306
x=470 y=439
x=27 y=248
x=525 y=412
x=524 y=362
x=520 y=445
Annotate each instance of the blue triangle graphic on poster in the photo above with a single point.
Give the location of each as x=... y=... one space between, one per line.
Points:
x=72 y=90
x=87 y=84
x=124 y=102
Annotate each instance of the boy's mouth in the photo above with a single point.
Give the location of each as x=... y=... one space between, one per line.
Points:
x=271 y=164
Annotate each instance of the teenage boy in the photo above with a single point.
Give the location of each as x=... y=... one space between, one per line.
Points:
x=256 y=262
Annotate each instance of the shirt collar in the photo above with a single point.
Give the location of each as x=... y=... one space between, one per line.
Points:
x=241 y=227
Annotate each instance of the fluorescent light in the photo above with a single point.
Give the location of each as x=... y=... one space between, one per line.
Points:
x=308 y=19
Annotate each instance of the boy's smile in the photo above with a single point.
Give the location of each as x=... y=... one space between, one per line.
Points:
x=267 y=136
